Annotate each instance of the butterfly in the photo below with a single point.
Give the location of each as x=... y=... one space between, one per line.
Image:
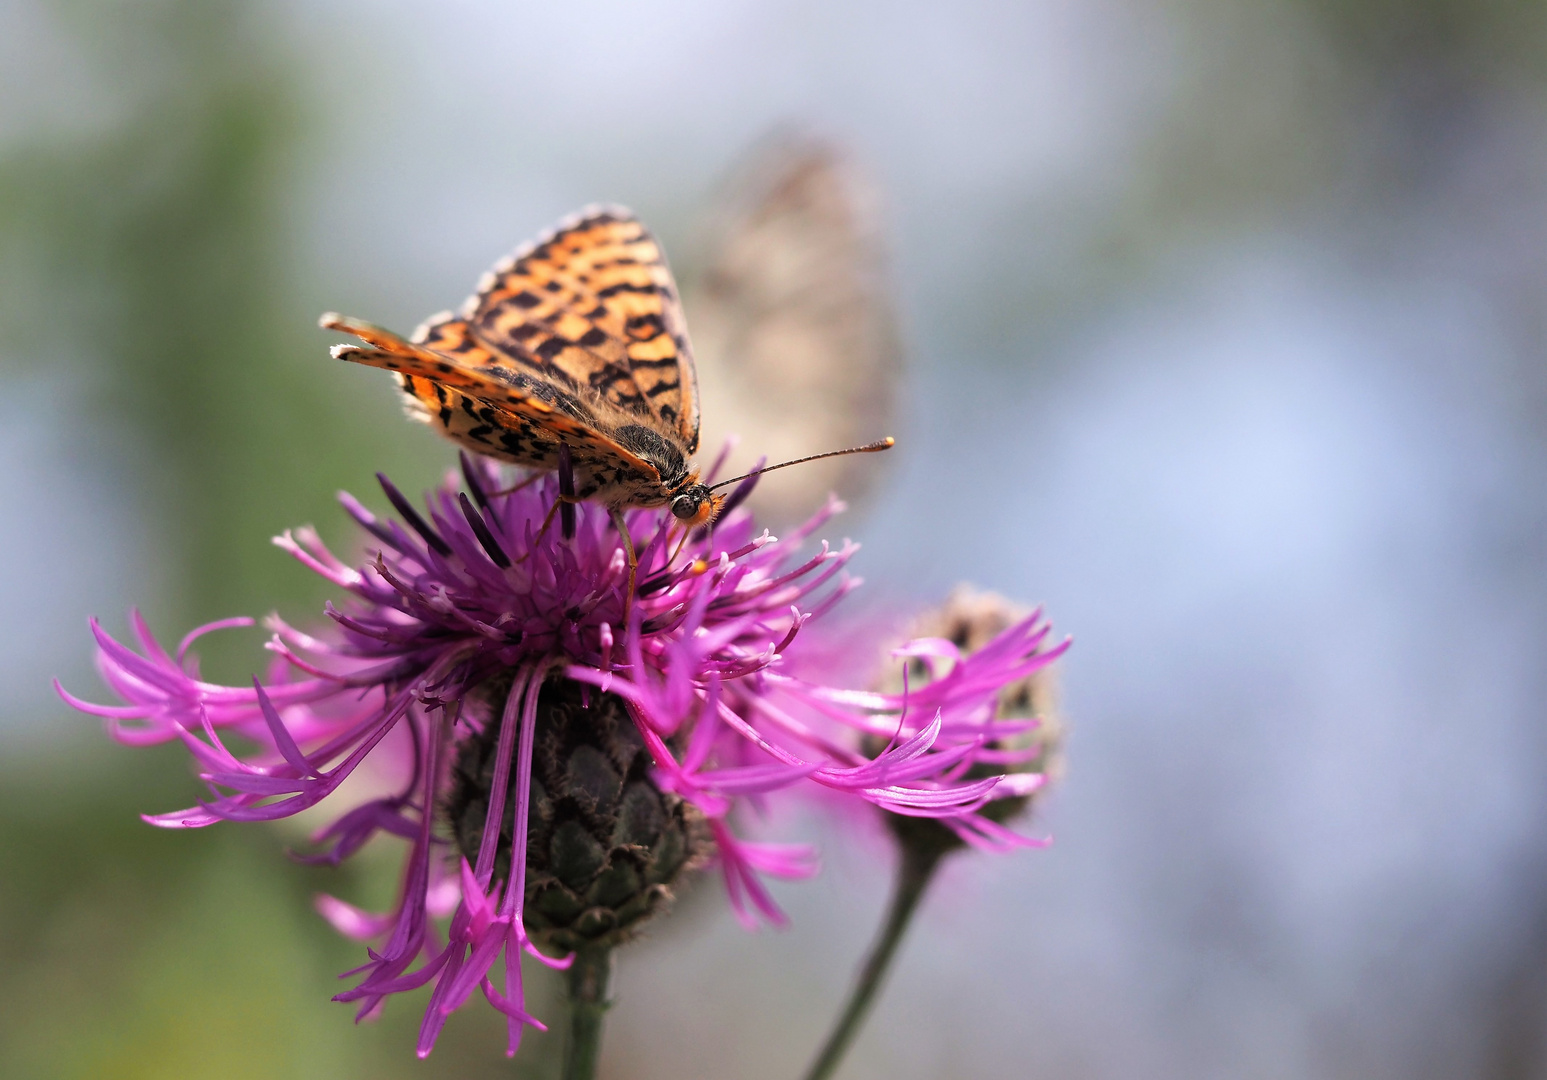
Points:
x=573 y=352
x=576 y=345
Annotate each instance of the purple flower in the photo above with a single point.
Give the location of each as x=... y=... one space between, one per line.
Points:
x=967 y=629
x=569 y=753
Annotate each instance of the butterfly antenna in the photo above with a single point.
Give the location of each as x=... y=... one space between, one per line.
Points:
x=870 y=448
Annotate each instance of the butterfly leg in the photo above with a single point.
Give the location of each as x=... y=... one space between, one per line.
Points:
x=561 y=500
x=536 y=476
x=680 y=545
x=633 y=560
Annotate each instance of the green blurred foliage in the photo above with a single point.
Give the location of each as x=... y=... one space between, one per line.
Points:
x=151 y=264
x=1475 y=40
x=158 y=262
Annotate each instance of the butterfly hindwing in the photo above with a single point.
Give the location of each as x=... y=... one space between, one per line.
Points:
x=594 y=305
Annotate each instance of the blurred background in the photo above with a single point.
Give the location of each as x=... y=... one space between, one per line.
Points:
x=1225 y=337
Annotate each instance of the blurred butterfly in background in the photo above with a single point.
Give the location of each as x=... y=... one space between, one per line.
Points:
x=793 y=327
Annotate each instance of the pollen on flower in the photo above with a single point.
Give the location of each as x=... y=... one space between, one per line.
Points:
x=571 y=751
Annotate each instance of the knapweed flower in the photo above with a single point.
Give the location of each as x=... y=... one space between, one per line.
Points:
x=969 y=621
x=972 y=631
x=571 y=751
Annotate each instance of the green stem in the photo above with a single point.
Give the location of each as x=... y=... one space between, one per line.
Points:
x=914 y=872
x=588 y=1005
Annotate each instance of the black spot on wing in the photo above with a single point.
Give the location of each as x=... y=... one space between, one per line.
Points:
x=604 y=378
x=626 y=286
x=645 y=327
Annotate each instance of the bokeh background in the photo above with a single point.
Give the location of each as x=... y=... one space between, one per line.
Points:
x=1227 y=340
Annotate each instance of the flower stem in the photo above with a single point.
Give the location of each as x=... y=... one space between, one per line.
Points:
x=914 y=871
x=588 y=1004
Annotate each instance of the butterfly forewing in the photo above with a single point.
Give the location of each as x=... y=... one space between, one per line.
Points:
x=594 y=305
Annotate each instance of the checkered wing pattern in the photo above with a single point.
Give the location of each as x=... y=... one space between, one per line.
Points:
x=575 y=338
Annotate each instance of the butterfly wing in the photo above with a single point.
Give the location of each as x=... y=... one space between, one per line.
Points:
x=593 y=306
x=577 y=336
x=457 y=382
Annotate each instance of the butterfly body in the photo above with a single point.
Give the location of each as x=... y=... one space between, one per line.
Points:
x=578 y=339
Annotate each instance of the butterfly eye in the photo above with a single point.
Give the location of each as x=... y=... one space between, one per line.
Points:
x=685 y=506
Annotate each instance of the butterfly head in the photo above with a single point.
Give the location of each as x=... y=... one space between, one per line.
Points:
x=696 y=505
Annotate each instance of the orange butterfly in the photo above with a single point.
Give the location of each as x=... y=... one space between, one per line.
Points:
x=577 y=345
x=576 y=339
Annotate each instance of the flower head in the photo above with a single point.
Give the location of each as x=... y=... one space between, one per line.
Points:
x=942 y=639
x=572 y=751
